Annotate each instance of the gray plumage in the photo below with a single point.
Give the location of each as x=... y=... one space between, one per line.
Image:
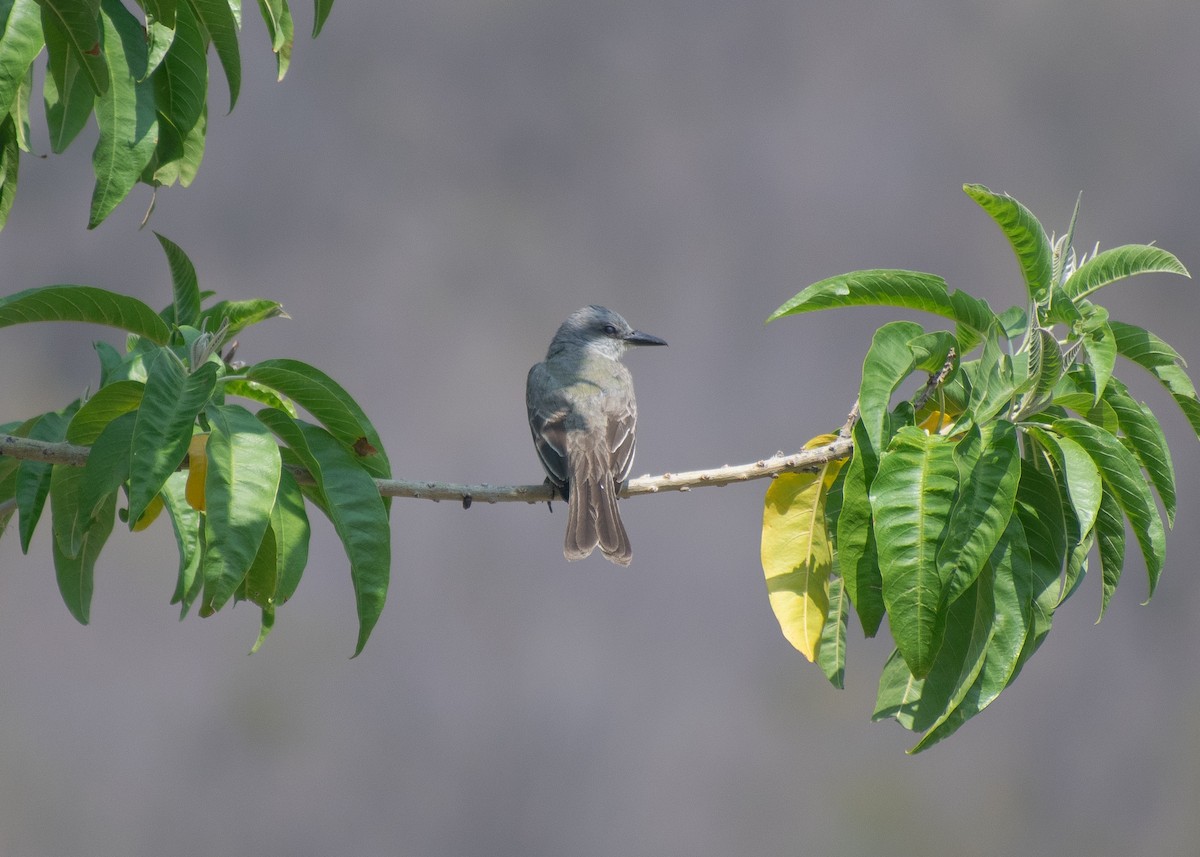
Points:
x=583 y=414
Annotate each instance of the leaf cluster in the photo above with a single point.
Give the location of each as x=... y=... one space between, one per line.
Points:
x=967 y=513
x=144 y=76
x=168 y=434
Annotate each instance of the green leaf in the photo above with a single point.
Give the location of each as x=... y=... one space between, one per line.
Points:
x=321 y=12
x=1122 y=476
x=1014 y=587
x=988 y=459
x=289 y=521
x=186 y=163
x=855 y=541
x=917 y=704
x=1077 y=473
x=218 y=20
x=256 y=392
x=106 y=470
x=991 y=378
x=1110 y=541
x=125 y=113
x=10 y=159
x=352 y=502
x=889 y=287
x=21 y=40
x=74 y=570
x=1161 y=360
x=1024 y=233
x=278 y=18
x=184 y=285
x=1045 y=362
x=1118 y=263
x=33 y=477
x=241 y=314
x=163 y=430
x=181 y=80
x=831 y=650
x=888 y=362
x=188 y=525
x=243 y=479
x=911 y=499
x=66 y=90
x=1146 y=442
x=83 y=303
x=263 y=575
x=1040 y=511
x=1101 y=347
x=160 y=30
x=77 y=21
x=333 y=407
x=110 y=402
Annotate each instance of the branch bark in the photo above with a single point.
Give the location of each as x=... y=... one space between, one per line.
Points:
x=809 y=459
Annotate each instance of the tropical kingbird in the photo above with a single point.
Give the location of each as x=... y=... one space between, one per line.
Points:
x=583 y=414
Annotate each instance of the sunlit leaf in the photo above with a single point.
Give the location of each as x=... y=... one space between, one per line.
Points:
x=83 y=303
x=352 y=502
x=1122 y=476
x=163 y=430
x=911 y=498
x=184 y=284
x=1109 y=266
x=1110 y=541
x=239 y=488
x=1024 y=233
x=888 y=287
x=831 y=649
x=797 y=556
x=188 y=525
x=888 y=362
x=856 y=555
x=77 y=21
x=1160 y=359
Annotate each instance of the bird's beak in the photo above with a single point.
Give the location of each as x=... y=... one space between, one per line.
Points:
x=639 y=338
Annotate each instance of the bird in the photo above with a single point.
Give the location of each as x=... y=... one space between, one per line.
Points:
x=583 y=416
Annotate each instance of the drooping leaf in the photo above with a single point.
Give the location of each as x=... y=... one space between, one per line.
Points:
x=797 y=556
x=188 y=526
x=67 y=90
x=83 y=303
x=125 y=113
x=887 y=287
x=218 y=20
x=10 y=159
x=352 y=502
x=33 y=477
x=333 y=407
x=21 y=40
x=1077 y=472
x=992 y=383
x=106 y=470
x=1100 y=345
x=74 y=569
x=1110 y=266
x=290 y=524
x=78 y=22
x=1122 y=476
x=181 y=82
x=1161 y=360
x=1146 y=442
x=240 y=487
x=988 y=459
x=911 y=498
x=831 y=650
x=163 y=430
x=278 y=18
x=1040 y=511
x=1110 y=541
x=1024 y=233
x=1014 y=586
x=856 y=554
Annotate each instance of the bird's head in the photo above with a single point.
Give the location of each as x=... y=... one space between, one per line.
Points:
x=601 y=330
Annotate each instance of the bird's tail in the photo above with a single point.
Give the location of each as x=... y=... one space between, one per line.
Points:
x=592 y=516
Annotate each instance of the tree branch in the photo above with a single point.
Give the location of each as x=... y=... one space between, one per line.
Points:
x=809 y=459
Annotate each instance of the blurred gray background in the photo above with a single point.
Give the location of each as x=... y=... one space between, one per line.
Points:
x=435 y=185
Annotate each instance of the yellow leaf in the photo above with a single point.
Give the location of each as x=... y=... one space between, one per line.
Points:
x=148 y=516
x=197 y=470
x=797 y=555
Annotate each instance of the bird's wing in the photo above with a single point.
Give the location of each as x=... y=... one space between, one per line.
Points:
x=546 y=422
x=622 y=444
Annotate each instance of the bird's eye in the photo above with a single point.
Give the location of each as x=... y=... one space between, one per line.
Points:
x=610 y=330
